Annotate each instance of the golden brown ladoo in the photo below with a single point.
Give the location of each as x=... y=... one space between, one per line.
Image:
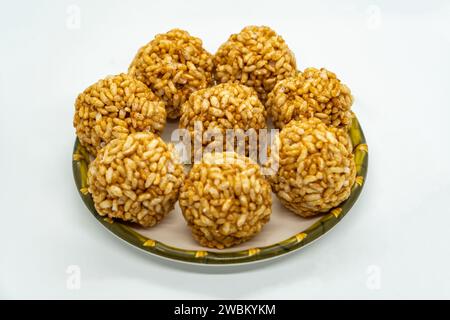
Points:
x=311 y=93
x=220 y=108
x=114 y=107
x=316 y=168
x=136 y=178
x=225 y=200
x=173 y=65
x=256 y=57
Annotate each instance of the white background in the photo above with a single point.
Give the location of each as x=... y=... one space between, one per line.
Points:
x=394 y=57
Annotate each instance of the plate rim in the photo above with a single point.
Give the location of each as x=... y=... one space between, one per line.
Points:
x=123 y=231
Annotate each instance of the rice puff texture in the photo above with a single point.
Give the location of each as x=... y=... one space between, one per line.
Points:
x=227 y=106
x=312 y=93
x=173 y=65
x=225 y=200
x=114 y=107
x=136 y=179
x=316 y=167
x=256 y=57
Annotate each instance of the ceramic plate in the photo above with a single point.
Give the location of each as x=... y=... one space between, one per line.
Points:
x=286 y=232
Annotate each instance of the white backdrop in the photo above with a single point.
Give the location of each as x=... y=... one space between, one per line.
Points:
x=394 y=57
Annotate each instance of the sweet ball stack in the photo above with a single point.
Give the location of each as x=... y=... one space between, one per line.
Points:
x=225 y=199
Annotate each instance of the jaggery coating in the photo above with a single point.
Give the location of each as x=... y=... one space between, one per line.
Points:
x=256 y=57
x=224 y=107
x=136 y=179
x=312 y=93
x=225 y=200
x=115 y=107
x=316 y=167
x=173 y=65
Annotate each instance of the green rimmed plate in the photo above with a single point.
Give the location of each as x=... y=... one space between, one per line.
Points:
x=171 y=238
